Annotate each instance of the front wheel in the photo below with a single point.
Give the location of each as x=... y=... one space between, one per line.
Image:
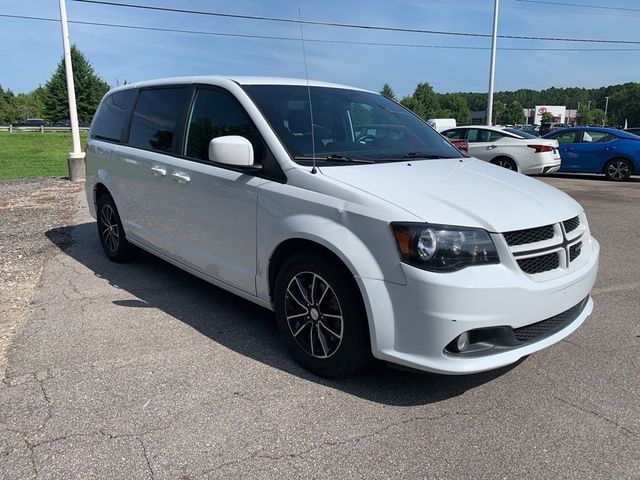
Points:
x=321 y=317
x=618 y=170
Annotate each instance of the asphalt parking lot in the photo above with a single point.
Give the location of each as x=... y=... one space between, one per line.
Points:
x=143 y=371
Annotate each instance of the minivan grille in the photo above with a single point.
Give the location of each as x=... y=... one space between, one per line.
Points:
x=550 y=247
x=540 y=264
x=530 y=235
x=571 y=224
x=548 y=327
x=574 y=251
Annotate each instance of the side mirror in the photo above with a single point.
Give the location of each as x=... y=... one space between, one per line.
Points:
x=231 y=150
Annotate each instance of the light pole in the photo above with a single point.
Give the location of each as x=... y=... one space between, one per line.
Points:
x=606 y=109
x=492 y=67
x=75 y=159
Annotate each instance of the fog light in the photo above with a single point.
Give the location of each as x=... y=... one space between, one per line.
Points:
x=462 y=342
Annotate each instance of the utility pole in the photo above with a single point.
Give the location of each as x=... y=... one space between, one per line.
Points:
x=492 y=67
x=606 y=109
x=75 y=159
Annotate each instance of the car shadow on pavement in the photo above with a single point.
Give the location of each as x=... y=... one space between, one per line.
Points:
x=243 y=327
x=587 y=176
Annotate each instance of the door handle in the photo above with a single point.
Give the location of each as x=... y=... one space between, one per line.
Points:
x=491 y=147
x=180 y=177
x=610 y=148
x=158 y=171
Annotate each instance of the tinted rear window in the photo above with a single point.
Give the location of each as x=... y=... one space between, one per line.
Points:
x=155 y=118
x=112 y=119
x=520 y=133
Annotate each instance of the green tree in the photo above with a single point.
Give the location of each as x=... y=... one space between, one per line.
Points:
x=624 y=104
x=30 y=105
x=89 y=87
x=598 y=116
x=408 y=102
x=499 y=109
x=514 y=113
x=455 y=105
x=595 y=116
x=426 y=101
x=8 y=112
x=547 y=117
x=388 y=92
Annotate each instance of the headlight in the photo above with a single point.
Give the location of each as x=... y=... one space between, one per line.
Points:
x=442 y=248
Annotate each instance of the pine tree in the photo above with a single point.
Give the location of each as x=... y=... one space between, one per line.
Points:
x=388 y=92
x=89 y=88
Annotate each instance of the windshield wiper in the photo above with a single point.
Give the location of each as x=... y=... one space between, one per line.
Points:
x=422 y=155
x=337 y=158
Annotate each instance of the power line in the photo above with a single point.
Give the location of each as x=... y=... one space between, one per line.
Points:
x=316 y=40
x=600 y=7
x=353 y=25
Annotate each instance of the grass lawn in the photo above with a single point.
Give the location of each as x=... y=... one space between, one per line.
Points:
x=34 y=154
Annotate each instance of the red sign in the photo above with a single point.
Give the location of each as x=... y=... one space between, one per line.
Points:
x=542 y=110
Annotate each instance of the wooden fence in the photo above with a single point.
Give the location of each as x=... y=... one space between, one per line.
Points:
x=12 y=129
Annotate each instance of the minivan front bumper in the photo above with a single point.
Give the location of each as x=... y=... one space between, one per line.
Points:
x=413 y=324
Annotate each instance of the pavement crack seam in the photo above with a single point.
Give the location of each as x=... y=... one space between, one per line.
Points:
x=32 y=460
x=48 y=401
x=330 y=443
x=598 y=415
x=146 y=457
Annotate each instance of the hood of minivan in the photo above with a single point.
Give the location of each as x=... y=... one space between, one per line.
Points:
x=464 y=192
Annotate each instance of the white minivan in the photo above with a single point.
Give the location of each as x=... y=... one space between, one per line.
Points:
x=365 y=231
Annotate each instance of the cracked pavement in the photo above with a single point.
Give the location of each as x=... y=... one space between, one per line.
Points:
x=143 y=371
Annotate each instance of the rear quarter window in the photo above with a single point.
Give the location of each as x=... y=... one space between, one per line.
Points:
x=156 y=118
x=112 y=120
x=456 y=134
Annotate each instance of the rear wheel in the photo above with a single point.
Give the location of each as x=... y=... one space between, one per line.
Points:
x=321 y=317
x=110 y=230
x=505 y=162
x=618 y=169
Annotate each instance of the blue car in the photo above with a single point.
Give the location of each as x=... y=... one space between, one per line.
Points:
x=598 y=150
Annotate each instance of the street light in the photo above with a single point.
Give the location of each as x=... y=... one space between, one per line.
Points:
x=492 y=66
x=606 y=109
x=75 y=159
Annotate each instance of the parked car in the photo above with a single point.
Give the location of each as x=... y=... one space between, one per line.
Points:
x=64 y=122
x=402 y=249
x=440 y=124
x=32 y=122
x=598 y=150
x=530 y=129
x=461 y=144
x=634 y=130
x=509 y=148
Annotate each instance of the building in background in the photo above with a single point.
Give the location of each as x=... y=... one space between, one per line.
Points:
x=561 y=114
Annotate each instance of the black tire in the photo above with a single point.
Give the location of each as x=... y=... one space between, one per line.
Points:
x=618 y=169
x=110 y=231
x=505 y=162
x=340 y=347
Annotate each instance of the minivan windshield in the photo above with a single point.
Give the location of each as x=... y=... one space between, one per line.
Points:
x=349 y=126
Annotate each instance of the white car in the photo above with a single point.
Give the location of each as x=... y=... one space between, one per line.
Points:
x=510 y=148
x=366 y=241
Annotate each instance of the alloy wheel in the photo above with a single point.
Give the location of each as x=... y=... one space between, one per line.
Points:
x=505 y=164
x=618 y=170
x=110 y=231
x=314 y=315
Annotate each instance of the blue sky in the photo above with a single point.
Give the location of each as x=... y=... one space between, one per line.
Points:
x=30 y=50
